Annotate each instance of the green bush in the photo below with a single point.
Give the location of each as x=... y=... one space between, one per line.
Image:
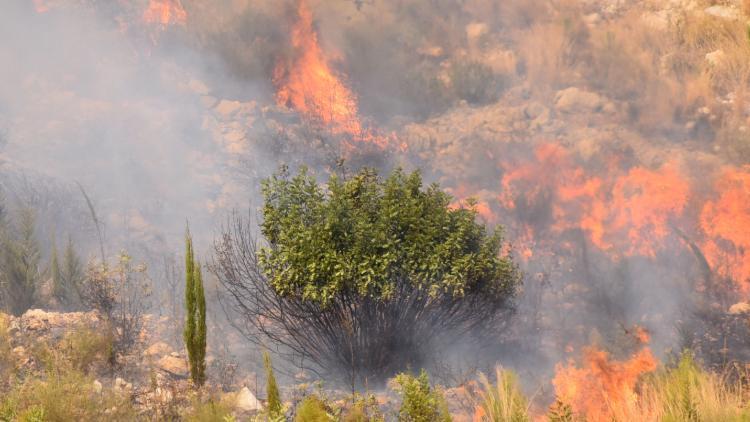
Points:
x=363 y=409
x=84 y=347
x=360 y=276
x=313 y=409
x=475 y=82
x=420 y=402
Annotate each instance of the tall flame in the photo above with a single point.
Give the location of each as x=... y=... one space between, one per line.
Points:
x=306 y=83
x=603 y=389
x=726 y=222
x=621 y=212
x=165 y=12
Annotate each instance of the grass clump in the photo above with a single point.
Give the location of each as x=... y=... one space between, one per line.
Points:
x=502 y=401
x=209 y=411
x=689 y=393
x=362 y=409
x=7 y=362
x=421 y=402
x=83 y=348
x=64 y=396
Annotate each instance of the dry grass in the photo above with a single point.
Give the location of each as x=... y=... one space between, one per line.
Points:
x=502 y=401
x=685 y=392
x=64 y=396
x=7 y=362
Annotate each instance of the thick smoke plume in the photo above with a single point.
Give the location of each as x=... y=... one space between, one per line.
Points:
x=619 y=173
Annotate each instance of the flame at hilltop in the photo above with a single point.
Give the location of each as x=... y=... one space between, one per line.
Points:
x=306 y=83
x=165 y=12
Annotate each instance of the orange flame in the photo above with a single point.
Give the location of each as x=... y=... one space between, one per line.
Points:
x=625 y=213
x=726 y=222
x=603 y=389
x=41 y=6
x=307 y=83
x=165 y=12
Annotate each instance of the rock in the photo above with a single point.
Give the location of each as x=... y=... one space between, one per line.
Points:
x=97 y=387
x=34 y=320
x=162 y=395
x=228 y=108
x=157 y=349
x=656 y=20
x=592 y=19
x=246 y=401
x=575 y=100
x=122 y=385
x=198 y=87
x=475 y=31
x=715 y=58
x=739 y=308
x=723 y=12
x=173 y=365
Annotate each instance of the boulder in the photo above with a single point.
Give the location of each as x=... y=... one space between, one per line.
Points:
x=723 y=12
x=739 y=308
x=97 y=387
x=575 y=100
x=245 y=401
x=157 y=349
x=715 y=57
x=174 y=365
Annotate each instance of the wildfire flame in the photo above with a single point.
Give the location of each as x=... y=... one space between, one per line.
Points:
x=726 y=221
x=165 y=12
x=306 y=83
x=603 y=389
x=627 y=212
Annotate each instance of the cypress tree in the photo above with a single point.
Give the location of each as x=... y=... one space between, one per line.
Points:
x=272 y=390
x=195 y=314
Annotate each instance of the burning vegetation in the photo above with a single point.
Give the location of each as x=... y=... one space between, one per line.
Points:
x=591 y=169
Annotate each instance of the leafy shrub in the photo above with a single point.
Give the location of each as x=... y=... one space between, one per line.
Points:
x=362 y=409
x=313 y=409
x=363 y=275
x=503 y=401
x=120 y=293
x=475 y=82
x=83 y=347
x=420 y=402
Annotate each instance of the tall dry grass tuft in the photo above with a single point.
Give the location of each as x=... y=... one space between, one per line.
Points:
x=689 y=393
x=502 y=401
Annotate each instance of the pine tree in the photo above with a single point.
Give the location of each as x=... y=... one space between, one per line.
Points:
x=66 y=276
x=72 y=274
x=21 y=258
x=58 y=286
x=272 y=390
x=195 y=314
